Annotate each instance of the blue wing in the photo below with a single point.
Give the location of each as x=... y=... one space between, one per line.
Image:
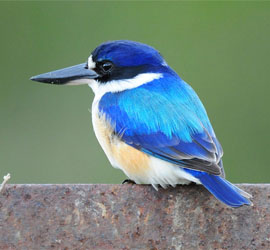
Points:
x=166 y=119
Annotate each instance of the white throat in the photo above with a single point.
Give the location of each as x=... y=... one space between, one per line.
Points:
x=121 y=85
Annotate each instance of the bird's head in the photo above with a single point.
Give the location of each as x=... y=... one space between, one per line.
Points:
x=114 y=65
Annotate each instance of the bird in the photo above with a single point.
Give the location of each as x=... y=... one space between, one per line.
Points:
x=149 y=122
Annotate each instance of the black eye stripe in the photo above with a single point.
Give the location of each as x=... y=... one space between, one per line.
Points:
x=123 y=72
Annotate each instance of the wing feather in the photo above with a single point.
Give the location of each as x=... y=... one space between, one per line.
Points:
x=169 y=123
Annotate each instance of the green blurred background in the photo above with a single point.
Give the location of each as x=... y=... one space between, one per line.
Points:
x=221 y=49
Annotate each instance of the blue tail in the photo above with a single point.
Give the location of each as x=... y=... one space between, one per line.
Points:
x=224 y=190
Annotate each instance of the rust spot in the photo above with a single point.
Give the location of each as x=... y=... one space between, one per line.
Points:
x=27 y=197
x=115 y=217
x=136 y=234
x=151 y=245
x=67 y=191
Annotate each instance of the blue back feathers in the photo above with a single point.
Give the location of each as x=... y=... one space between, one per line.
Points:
x=165 y=118
x=166 y=105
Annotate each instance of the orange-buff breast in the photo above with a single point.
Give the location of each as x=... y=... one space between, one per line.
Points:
x=133 y=162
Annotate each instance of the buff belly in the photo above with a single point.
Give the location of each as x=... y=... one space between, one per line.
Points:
x=138 y=166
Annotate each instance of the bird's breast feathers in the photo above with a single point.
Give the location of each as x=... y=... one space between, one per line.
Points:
x=137 y=165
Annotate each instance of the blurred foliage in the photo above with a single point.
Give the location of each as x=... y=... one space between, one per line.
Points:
x=220 y=48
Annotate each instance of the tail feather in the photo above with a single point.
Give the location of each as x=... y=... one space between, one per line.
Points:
x=225 y=191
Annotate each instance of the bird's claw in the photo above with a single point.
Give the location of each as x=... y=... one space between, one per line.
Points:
x=128 y=181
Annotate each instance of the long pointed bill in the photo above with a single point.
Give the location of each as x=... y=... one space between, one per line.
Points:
x=74 y=75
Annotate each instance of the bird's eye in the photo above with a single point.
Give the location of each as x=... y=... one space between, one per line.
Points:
x=106 y=66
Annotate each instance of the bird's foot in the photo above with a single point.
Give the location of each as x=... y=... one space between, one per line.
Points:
x=128 y=181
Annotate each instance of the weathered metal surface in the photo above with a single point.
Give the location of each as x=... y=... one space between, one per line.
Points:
x=130 y=217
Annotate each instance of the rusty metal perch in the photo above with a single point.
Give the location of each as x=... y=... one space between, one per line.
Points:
x=130 y=217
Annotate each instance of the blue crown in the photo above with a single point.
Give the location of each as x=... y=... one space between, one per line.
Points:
x=127 y=53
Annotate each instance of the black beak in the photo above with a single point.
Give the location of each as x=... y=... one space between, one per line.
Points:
x=74 y=75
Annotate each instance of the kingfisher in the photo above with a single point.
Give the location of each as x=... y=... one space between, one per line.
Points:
x=150 y=123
